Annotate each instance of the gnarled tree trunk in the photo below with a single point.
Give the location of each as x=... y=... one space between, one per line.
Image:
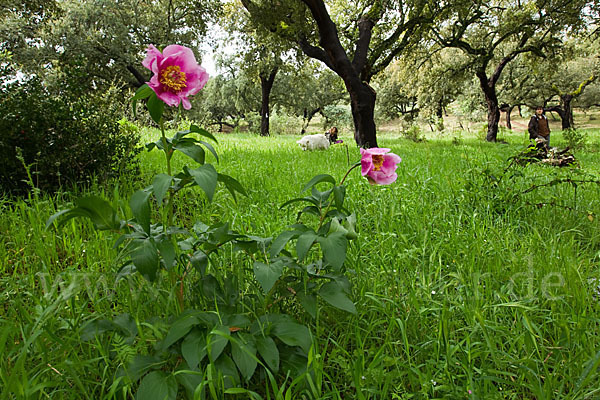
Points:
x=266 y=84
x=488 y=86
x=362 y=101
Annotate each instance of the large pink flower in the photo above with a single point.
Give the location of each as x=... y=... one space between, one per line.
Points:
x=177 y=75
x=379 y=166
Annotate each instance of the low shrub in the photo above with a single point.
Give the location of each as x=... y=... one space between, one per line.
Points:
x=575 y=139
x=63 y=139
x=414 y=133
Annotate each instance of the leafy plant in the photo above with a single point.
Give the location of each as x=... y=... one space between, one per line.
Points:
x=221 y=338
x=65 y=140
x=576 y=139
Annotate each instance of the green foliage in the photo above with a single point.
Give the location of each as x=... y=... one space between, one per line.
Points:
x=474 y=292
x=94 y=44
x=414 y=133
x=217 y=330
x=336 y=115
x=63 y=140
x=576 y=139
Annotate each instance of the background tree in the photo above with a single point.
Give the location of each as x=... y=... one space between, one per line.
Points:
x=259 y=54
x=355 y=40
x=96 y=42
x=492 y=33
x=307 y=91
x=430 y=79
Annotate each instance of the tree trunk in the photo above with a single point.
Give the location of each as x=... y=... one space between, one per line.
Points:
x=362 y=101
x=567 y=115
x=307 y=117
x=508 y=113
x=493 y=111
x=508 y=110
x=355 y=73
x=266 y=84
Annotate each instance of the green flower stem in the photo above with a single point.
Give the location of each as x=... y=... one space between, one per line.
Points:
x=165 y=145
x=169 y=216
x=168 y=155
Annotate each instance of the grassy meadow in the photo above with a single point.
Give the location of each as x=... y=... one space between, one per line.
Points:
x=472 y=279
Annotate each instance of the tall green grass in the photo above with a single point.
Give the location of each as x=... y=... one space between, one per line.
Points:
x=462 y=290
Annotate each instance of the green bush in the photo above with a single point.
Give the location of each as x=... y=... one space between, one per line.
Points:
x=414 y=133
x=63 y=139
x=575 y=139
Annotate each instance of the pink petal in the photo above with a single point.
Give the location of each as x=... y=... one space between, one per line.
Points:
x=153 y=57
x=170 y=99
x=375 y=151
x=392 y=157
x=186 y=103
x=181 y=56
x=390 y=163
x=196 y=81
x=381 y=178
x=366 y=165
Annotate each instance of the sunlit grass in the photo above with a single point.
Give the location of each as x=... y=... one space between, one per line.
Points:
x=456 y=292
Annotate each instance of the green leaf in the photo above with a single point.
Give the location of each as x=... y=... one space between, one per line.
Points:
x=267 y=275
x=210 y=148
x=180 y=327
x=146 y=260
x=304 y=243
x=156 y=107
x=143 y=92
x=203 y=132
x=191 y=150
x=269 y=352
x=142 y=364
x=206 y=177
x=334 y=294
x=318 y=179
x=339 y=192
x=193 y=348
x=307 y=199
x=98 y=210
x=292 y=334
x=232 y=185
x=280 y=242
x=350 y=225
x=226 y=366
x=244 y=355
x=308 y=302
x=334 y=249
x=217 y=340
x=160 y=185
x=335 y=226
x=140 y=207
x=157 y=386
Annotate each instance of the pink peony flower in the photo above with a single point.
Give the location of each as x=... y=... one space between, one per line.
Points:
x=177 y=75
x=379 y=167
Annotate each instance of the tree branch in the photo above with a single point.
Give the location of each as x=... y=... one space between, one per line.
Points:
x=365 y=29
x=315 y=52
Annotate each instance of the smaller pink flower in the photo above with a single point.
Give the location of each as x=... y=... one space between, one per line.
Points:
x=177 y=75
x=379 y=166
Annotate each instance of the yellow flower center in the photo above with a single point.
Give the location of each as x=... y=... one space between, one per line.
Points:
x=377 y=161
x=173 y=78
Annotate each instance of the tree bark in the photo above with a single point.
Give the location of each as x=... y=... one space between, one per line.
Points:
x=266 y=84
x=307 y=117
x=508 y=110
x=488 y=86
x=139 y=77
x=354 y=73
x=566 y=117
x=508 y=113
x=362 y=102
